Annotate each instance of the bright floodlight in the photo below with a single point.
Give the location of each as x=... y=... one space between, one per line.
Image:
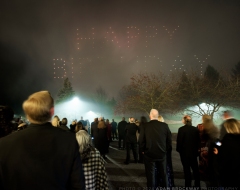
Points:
x=204 y=106
x=91 y=115
x=75 y=100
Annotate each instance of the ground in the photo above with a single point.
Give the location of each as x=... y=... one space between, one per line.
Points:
x=132 y=176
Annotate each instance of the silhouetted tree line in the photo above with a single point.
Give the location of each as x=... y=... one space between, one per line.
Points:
x=181 y=91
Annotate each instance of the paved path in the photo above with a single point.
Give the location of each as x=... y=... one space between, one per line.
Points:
x=132 y=176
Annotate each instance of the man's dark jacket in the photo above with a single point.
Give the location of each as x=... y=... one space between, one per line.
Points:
x=40 y=157
x=188 y=141
x=94 y=129
x=121 y=128
x=155 y=139
x=131 y=130
x=64 y=127
x=114 y=126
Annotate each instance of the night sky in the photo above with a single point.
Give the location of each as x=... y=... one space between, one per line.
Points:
x=103 y=43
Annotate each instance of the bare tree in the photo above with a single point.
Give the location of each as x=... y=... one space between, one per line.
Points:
x=179 y=92
x=146 y=91
x=101 y=95
x=236 y=71
x=206 y=95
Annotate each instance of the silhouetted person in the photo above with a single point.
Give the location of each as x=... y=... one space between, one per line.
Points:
x=122 y=133
x=210 y=137
x=142 y=121
x=203 y=147
x=73 y=126
x=64 y=124
x=101 y=139
x=109 y=133
x=155 y=140
x=131 y=140
x=229 y=155
x=94 y=130
x=83 y=122
x=169 y=162
x=114 y=130
x=40 y=156
x=187 y=146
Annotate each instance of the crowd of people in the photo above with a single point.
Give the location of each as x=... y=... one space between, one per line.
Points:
x=213 y=155
x=72 y=156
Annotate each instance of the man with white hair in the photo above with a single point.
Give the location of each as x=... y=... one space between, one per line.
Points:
x=155 y=140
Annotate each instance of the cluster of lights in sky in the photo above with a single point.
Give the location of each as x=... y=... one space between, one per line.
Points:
x=202 y=61
x=171 y=33
x=179 y=64
x=59 y=65
x=178 y=61
x=133 y=37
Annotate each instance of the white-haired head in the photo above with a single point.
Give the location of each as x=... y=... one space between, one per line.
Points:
x=153 y=114
x=83 y=139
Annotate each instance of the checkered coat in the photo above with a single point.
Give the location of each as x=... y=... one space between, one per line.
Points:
x=94 y=171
